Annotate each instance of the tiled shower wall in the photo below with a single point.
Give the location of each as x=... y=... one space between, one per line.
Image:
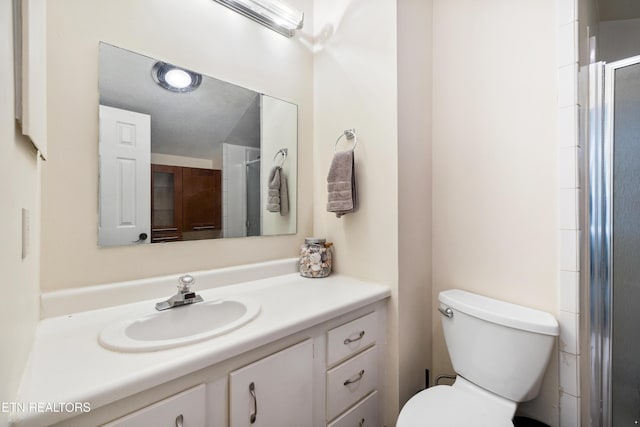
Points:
x=569 y=151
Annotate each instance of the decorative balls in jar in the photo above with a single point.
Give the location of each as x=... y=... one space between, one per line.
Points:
x=315 y=258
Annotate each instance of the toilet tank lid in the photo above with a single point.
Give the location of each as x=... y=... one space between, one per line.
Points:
x=500 y=312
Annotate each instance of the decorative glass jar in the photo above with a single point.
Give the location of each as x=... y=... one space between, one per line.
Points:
x=315 y=258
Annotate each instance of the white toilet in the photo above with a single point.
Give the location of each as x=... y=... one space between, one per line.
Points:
x=499 y=351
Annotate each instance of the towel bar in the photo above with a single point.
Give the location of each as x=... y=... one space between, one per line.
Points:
x=350 y=134
x=284 y=153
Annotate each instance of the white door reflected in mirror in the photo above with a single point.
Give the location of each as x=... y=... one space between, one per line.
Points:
x=125 y=157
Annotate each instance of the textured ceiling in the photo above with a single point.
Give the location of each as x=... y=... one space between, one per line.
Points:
x=191 y=124
x=613 y=10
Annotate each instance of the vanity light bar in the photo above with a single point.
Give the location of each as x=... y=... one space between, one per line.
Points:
x=270 y=13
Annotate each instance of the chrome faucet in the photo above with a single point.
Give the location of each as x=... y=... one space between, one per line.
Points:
x=184 y=296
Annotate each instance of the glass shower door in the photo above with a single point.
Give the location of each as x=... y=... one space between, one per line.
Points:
x=625 y=354
x=614 y=243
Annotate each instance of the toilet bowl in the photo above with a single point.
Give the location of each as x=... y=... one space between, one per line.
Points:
x=499 y=351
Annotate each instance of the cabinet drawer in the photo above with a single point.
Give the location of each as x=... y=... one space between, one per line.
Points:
x=351 y=337
x=351 y=381
x=364 y=414
x=190 y=404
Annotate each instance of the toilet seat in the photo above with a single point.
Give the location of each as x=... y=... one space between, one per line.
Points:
x=462 y=404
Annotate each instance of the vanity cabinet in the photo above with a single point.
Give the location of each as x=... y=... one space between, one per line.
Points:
x=324 y=375
x=186 y=203
x=274 y=391
x=186 y=409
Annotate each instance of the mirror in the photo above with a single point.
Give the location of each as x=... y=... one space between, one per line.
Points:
x=184 y=156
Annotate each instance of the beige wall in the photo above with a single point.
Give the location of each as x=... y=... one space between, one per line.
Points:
x=278 y=130
x=414 y=193
x=372 y=73
x=355 y=86
x=186 y=162
x=200 y=35
x=494 y=160
x=19 y=188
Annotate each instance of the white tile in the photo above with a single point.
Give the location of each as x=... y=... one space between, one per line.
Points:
x=569 y=255
x=569 y=341
x=566 y=46
x=569 y=296
x=565 y=11
x=568 y=85
x=568 y=167
x=567 y=126
x=569 y=380
x=568 y=209
x=569 y=411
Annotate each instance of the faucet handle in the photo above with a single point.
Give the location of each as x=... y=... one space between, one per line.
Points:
x=185 y=282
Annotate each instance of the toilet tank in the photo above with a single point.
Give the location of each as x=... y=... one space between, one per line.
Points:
x=501 y=347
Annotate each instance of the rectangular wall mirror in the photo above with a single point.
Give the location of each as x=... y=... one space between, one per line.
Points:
x=184 y=156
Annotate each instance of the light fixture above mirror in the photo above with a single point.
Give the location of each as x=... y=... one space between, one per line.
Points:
x=273 y=14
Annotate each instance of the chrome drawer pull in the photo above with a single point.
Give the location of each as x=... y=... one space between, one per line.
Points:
x=350 y=340
x=203 y=227
x=253 y=414
x=179 y=420
x=162 y=239
x=447 y=312
x=361 y=423
x=350 y=381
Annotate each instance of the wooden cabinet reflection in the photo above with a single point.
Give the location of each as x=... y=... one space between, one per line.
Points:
x=186 y=203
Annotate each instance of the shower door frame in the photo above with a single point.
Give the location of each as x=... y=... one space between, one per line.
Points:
x=600 y=151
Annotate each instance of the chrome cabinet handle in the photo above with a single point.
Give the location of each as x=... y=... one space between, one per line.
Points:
x=446 y=312
x=203 y=227
x=350 y=340
x=361 y=423
x=359 y=377
x=179 y=420
x=253 y=414
x=163 y=239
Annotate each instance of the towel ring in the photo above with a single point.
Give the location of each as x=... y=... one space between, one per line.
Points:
x=284 y=153
x=350 y=134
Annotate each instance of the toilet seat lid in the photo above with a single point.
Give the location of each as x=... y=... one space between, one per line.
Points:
x=446 y=406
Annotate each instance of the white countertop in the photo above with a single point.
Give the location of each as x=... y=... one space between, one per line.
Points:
x=68 y=365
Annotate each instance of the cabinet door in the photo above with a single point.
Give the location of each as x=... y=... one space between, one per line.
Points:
x=125 y=150
x=274 y=391
x=166 y=203
x=201 y=199
x=186 y=409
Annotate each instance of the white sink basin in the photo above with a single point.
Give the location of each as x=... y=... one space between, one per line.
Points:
x=178 y=326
